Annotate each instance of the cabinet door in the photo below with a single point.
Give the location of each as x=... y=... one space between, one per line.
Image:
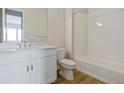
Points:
x=14 y=74
x=37 y=71
x=50 y=69
x=44 y=70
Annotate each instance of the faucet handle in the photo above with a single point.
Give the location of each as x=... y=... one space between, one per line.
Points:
x=19 y=45
x=29 y=44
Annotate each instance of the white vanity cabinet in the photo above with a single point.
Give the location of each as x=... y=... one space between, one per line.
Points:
x=43 y=66
x=28 y=66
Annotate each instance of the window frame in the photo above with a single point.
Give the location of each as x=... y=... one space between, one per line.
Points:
x=5 y=25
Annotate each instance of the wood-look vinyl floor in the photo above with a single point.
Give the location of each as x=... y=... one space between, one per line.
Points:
x=79 y=78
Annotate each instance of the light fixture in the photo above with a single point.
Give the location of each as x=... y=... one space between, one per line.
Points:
x=99 y=24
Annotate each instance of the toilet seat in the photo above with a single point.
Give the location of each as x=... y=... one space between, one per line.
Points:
x=68 y=62
x=67 y=67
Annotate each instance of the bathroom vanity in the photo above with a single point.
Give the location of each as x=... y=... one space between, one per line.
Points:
x=36 y=65
x=25 y=65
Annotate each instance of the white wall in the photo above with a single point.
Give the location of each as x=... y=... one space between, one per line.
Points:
x=35 y=24
x=56 y=27
x=69 y=33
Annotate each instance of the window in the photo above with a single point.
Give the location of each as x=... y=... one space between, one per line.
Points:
x=13 y=26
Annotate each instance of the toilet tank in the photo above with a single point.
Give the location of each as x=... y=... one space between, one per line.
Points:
x=60 y=53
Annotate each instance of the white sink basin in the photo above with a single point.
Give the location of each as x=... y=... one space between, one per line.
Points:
x=7 y=50
x=44 y=47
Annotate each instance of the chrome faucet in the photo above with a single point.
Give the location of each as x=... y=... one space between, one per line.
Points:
x=25 y=43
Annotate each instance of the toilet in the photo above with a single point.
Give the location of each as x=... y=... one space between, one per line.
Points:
x=66 y=65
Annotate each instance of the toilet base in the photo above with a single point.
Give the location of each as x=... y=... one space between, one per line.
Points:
x=67 y=74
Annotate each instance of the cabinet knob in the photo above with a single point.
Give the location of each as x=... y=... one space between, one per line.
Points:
x=27 y=68
x=31 y=67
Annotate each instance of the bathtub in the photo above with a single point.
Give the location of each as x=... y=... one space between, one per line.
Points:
x=105 y=70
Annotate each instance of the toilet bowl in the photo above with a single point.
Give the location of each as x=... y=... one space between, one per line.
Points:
x=66 y=65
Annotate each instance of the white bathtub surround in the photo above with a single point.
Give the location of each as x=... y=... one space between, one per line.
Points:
x=106 y=41
x=80 y=32
x=99 y=36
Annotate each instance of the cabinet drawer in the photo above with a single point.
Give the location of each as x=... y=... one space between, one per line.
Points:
x=12 y=57
x=48 y=52
x=38 y=53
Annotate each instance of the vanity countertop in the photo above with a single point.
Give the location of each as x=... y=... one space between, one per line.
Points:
x=17 y=55
x=45 y=47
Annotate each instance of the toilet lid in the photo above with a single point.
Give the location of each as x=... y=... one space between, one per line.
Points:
x=68 y=62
